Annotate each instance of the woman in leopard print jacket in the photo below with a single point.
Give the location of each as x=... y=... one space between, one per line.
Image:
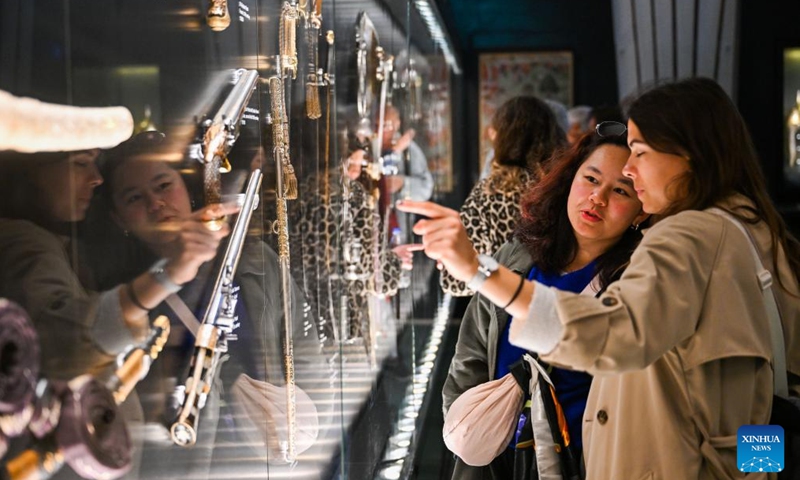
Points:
x=527 y=135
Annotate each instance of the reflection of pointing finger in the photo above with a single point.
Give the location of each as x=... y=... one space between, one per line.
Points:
x=415 y=247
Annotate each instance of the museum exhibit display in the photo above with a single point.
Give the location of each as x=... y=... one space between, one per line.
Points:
x=275 y=135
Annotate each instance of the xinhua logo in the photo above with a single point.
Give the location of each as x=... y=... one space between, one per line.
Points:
x=759 y=448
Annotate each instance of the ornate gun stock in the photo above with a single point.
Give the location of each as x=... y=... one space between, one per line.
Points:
x=217 y=327
x=218 y=17
x=134 y=364
x=222 y=131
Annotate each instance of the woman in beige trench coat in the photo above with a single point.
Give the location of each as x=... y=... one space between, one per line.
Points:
x=680 y=345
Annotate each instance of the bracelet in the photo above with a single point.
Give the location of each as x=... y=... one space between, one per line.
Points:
x=516 y=294
x=135 y=301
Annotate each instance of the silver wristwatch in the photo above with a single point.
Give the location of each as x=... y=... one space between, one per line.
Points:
x=160 y=274
x=487 y=265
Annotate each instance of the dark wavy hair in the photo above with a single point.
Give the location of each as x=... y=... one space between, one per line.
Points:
x=545 y=229
x=696 y=118
x=527 y=133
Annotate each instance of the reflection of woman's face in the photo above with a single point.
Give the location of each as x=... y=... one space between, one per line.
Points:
x=148 y=196
x=355 y=163
x=67 y=185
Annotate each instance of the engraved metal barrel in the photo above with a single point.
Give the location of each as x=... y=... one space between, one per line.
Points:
x=217 y=327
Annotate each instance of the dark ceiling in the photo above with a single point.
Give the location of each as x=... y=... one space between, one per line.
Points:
x=484 y=25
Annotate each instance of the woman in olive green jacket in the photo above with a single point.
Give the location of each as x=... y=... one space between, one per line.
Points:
x=577 y=231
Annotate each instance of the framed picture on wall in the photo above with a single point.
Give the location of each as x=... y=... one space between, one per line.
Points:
x=502 y=76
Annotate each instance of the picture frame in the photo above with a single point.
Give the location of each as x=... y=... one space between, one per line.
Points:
x=504 y=75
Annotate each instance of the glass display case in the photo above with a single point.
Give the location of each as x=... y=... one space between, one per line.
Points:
x=204 y=272
x=791 y=111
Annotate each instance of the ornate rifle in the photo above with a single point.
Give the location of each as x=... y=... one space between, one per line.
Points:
x=217 y=327
x=220 y=133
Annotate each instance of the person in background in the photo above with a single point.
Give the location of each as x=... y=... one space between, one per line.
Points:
x=680 y=344
x=527 y=134
x=606 y=113
x=580 y=122
x=406 y=173
x=560 y=111
x=561 y=116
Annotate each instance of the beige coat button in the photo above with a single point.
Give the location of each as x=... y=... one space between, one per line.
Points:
x=609 y=301
x=602 y=417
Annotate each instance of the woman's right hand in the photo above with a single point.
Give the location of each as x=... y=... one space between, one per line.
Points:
x=444 y=237
x=198 y=238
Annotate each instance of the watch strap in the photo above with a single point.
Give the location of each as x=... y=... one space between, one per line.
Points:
x=484 y=272
x=160 y=274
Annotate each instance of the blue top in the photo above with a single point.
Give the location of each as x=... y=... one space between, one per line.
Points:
x=572 y=388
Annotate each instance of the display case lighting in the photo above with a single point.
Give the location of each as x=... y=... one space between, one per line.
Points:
x=400 y=441
x=433 y=21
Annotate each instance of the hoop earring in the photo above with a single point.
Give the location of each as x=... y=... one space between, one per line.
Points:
x=635 y=227
x=126 y=233
x=192 y=204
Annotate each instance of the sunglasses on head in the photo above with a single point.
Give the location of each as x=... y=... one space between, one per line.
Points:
x=611 y=129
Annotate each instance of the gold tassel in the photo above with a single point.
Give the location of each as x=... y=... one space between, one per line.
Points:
x=289 y=182
x=313 y=108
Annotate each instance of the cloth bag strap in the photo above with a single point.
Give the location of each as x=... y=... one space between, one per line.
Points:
x=183 y=312
x=780 y=382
